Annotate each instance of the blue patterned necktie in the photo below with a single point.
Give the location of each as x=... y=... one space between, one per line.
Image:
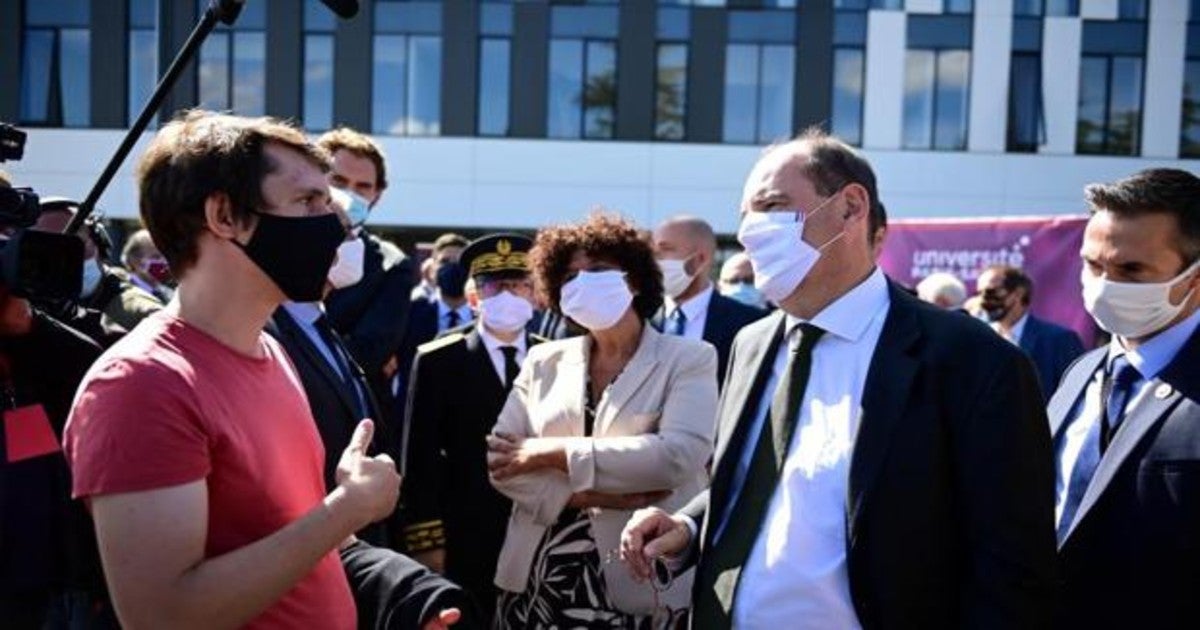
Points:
x=677 y=322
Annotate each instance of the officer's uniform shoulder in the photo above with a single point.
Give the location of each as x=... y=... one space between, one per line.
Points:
x=441 y=344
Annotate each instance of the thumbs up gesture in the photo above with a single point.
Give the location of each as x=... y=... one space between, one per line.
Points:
x=372 y=484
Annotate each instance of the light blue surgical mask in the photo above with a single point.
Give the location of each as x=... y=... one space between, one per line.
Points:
x=92 y=275
x=745 y=293
x=357 y=209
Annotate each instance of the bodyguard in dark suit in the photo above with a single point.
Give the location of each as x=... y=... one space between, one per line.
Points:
x=1005 y=294
x=876 y=459
x=459 y=384
x=1126 y=419
x=692 y=308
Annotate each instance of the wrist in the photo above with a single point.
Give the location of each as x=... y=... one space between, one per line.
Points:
x=345 y=511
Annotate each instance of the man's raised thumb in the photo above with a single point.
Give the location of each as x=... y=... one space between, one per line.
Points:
x=361 y=440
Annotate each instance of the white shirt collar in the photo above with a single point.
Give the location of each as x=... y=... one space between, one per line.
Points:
x=850 y=315
x=693 y=306
x=306 y=312
x=463 y=311
x=1156 y=353
x=1018 y=329
x=493 y=344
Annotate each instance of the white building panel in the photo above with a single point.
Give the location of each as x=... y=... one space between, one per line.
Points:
x=990 y=61
x=1104 y=9
x=1061 y=42
x=883 y=109
x=1166 y=49
x=932 y=7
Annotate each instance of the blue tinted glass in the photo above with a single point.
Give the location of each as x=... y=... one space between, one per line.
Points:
x=892 y=5
x=850 y=27
x=143 y=13
x=1027 y=34
x=583 y=21
x=1121 y=38
x=1062 y=7
x=953 y=74
x=1093 y=97
x=252 y=17
x=1189 y=140
x=939 y=31
x=249 y=73
x=674 y=23
x=1125 y=106
x=1132 y=9
x=318 y=82
x=762 y=26
x=143 y=69
x=424 y=86
x=670 y=92
x=858 y=5
x=214 y=72
x=388 y=84
x=494 y=60
x=849 y=66
x=919 y=69
x=495 y=19
x=776 y=83
x=565 y=89
x=1194 y=11
x=408 y=17
x=57 y=12
x=1024 y=103
x=317 y=17
x=600 y=90
x=741 y=93
x=959 y=6
x=75 y=76
x=1027 y=7
x=35 y=75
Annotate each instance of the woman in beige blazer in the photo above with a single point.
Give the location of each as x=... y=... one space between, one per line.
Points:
x=595 y=427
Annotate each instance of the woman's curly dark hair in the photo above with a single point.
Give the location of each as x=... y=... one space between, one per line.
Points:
x=605 y=237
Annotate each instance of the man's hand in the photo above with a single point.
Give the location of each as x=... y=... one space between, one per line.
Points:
x=371 y=484
x=652 y=533
x=629 y=501
x=511 y=455
x=444 y=620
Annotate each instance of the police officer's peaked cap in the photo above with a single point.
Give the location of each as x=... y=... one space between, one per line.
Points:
x=497 y=253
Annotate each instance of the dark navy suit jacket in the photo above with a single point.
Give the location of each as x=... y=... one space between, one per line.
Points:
x=1052 y=349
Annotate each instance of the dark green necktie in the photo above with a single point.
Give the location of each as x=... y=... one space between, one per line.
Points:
x=721 y=563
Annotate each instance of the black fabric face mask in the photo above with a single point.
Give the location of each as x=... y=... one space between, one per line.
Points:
x=295 y=252
x=452 y=279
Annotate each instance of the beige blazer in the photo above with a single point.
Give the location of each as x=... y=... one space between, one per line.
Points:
x=653 y=431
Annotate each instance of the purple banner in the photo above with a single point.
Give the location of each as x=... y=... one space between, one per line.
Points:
x=1047 y=248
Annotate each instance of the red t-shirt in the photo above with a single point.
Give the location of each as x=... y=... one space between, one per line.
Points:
x=169 y=405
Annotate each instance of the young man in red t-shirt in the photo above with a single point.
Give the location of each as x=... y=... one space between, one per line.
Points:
x=191 y=439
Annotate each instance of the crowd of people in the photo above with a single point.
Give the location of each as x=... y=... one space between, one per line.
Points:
x=260 y=413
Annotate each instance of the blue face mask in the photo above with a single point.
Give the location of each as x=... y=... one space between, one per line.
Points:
x=357 y=209
x=745 y=293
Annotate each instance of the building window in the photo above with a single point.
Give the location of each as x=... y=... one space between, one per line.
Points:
x=1110 y=105
x=233 y=63
x=1050 y=8
x=849 y=70
x=495 y=69
x=1189 y=132
x=671 y=70
x=143 y=56
x=407 y=75
x=55 y=67
x=582 y=95
x=319 y=26
x=935 y=99
x=1026 y=126
x=758 y=92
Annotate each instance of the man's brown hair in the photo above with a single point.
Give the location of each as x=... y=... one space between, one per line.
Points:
x=202 y=153
x=832 y=164
x=1155 y=190
x=359 y=144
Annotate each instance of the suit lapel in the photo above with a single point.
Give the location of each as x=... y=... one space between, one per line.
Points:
x=1029 y=336
x=313 y=356
x=713 y=322
x=755 y=356
x=481 y=362
x=631 y=379
x=889 y=379
x=1073 y=386
x=570 y=382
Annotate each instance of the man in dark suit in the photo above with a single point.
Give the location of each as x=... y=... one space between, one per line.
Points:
x=372 y=314
x=1126 y=419
x=692 y=308
x=876 y=461
x=459 y=384
x=1005 y=294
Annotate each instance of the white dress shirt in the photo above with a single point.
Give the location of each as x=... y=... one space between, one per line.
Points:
x=464 y=315
x=695 y=310
x=493 y=346
x=1018 y=329
x=796 y=575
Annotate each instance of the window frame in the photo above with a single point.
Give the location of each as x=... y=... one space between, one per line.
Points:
x=933 y=118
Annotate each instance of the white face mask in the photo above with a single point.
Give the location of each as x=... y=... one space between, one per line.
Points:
x=92 y=275
x=596 y=299
x=1133 y=310
x=777 y=250
x=505 y=312
x=676 y=279
x=347 y=269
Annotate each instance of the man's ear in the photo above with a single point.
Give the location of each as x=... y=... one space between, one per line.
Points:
x=218 y=216
x=858 y=202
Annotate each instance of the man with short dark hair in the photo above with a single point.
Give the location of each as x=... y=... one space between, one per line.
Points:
x=853 y=484
x=191 y=439
x=685 y=248
x=373 y=313
x=1125 y=419
x=1005 y=295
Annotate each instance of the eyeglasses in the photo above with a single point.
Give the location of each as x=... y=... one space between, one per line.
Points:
x=661 y=579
